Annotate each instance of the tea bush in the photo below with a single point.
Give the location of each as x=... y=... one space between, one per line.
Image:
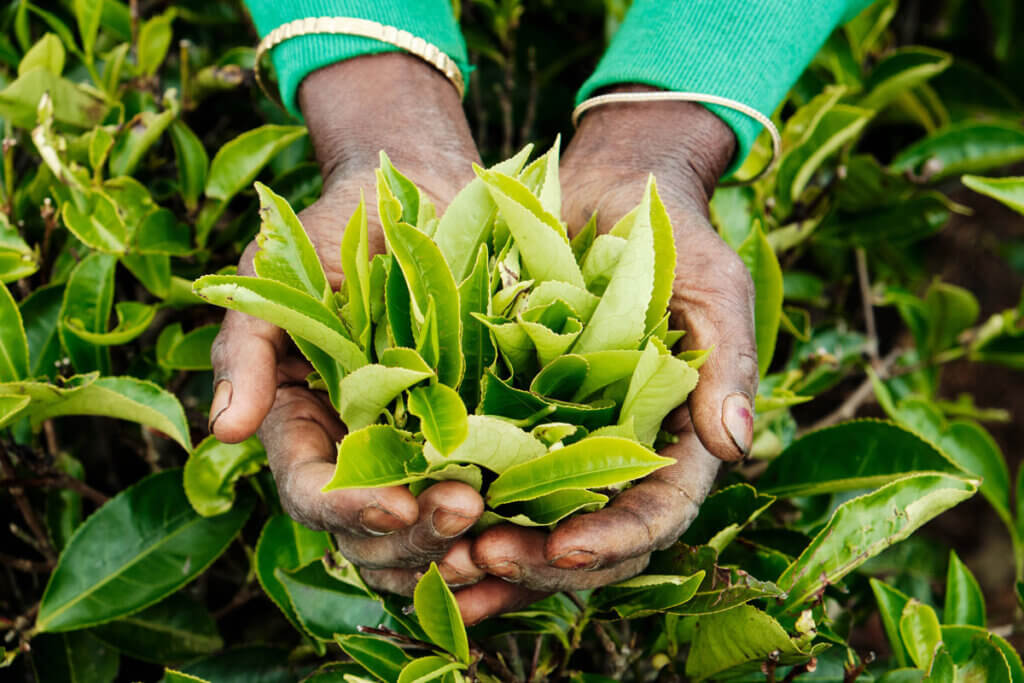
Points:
x=142 y=548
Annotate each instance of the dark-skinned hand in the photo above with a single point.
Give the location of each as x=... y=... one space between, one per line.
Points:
x=388 y=533
x=605 y=170
x=353 y=110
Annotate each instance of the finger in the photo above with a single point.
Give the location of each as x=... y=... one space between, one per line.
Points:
x=648 y=516
x=300 y=435
x=516 y=554
x=492 y=597
x=446 y=511
x=714 y=296
x=244 y=356
x=457 y=569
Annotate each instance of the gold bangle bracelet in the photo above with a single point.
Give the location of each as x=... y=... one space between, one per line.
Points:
x=365 y=28
x=663 y=96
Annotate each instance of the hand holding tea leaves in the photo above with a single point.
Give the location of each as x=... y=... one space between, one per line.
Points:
x=605 y=169
x=260 y=377
x=550 y=343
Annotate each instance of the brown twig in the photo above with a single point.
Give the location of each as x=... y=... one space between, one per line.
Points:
x=58 y=480
x=847 y=410
x=769 y=665
x=495 y=662
x=244 y=595
x=400 y=639
x=133 y=10
x=806 y=668
x=50 y=432
x=185 y=73
x=867 y=299
x=514 y=655
x=530 y=113
x=535 y=659
x=7 y=149
x=504 y=93
x=21 y=622
x=23 y=565
x=26 y=509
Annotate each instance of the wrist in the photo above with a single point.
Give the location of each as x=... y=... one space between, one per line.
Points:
x=683 y=144
x=390 y=101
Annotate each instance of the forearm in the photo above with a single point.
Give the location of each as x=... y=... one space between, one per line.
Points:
x=748 y=50
x=684 y=145
x=357 y=107
x=294 y=59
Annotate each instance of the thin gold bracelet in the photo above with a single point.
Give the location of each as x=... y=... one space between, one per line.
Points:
x=691 y=97
x=365 y=28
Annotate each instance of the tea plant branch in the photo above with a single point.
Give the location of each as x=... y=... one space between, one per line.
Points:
x=535 y=659
x=852 y=674
x=806 y=668
x=58 y=480
x=847 y=410
x=504 y=93
x=185 y=73
x=864 y=279
x=21 y=626
x=515 y=656
x=24 y=565
x=25 y=507
x=244 y=595
x=49 y=216
x=7 y=147
x=495 y=662
x=133 y=10
x=530 y=113
x=50 y=432
x=400 y=639
x=25 y=537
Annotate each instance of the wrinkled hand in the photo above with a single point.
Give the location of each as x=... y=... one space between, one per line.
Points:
x=605 y=170
x=353 y=109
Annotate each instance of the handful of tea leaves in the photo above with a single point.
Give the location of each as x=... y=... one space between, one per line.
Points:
x=484 y=346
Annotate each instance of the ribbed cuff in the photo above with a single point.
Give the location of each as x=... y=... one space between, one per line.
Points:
x=751 y=51
x=431 y=20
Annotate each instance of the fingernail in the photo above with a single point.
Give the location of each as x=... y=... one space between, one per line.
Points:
x=448 y=523
x=738 y=418
x=509 y=571
x=379 y=521
x=575 y=559
x=221 y=401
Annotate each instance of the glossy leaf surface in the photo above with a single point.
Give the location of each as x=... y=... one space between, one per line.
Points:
x=298 y=313
x=173 y=630
x=863 y=454
x=591 y=463
x=13 y=342
x=864 y=526
x=442 y=416
x=438 y=614
x=213 y=469
x=286 y=544
x=965 y=603
x=378 y=455
x=153 y=543
x=237 y=163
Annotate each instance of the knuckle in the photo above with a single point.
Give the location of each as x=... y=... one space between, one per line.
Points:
x=422 y=546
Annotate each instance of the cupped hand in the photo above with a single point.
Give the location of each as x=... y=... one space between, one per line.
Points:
x=353 y=110
x=605 y=170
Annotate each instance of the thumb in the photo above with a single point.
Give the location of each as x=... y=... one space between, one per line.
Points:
x=245 y=357
x=715 y=297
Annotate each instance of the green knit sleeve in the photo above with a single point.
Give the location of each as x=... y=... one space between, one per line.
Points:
x=431 y=20
x=751 y=51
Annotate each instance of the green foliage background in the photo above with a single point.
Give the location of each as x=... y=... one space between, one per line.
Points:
x=130 y=149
